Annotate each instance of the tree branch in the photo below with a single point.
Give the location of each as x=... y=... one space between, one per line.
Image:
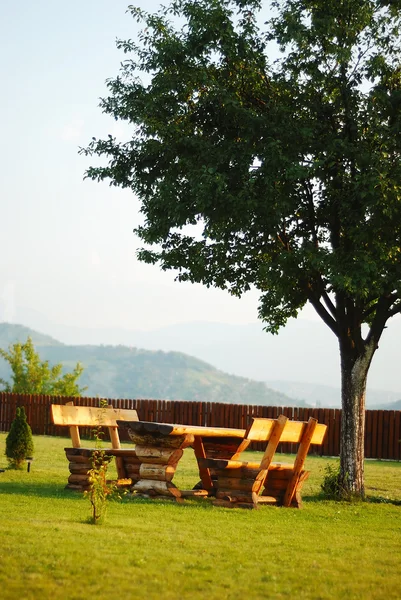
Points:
x=324 y=314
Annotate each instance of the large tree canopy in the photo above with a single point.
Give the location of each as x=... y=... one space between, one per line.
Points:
x=281 y=173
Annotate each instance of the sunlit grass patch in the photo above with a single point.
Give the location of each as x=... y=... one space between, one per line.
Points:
x=194 y=550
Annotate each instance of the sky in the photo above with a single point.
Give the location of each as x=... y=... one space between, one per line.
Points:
x=68 y=250
x=68 y=246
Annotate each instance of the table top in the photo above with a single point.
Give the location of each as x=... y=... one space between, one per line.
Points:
x=149 y=427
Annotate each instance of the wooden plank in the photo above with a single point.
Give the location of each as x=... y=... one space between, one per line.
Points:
x=74 y=434
x=194 y=493
x=79 y=468
x=153 y=441
x=132 y=469
x=325 y=449
x=163 y=488
x=163 y=456
x=220 y=463
x=380 y=434
x=78 y=458
x=386 y=434
x=272 y=500
x=374 y=432
x=228 y=483
x=241 y=472
x=391 y=423
x=156 y=472
x=71 y=415
x=279 y=426
x=397 y=436
x=237 y=495
x=337 y=432
x=165 y=429
x=204 y=472
x=368 y=434
x=300 y=460
x=259 y=429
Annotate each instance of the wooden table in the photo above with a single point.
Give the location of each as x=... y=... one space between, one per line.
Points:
x=159 y=448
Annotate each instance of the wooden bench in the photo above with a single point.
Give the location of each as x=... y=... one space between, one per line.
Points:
x=247 y=484
x=80 y=459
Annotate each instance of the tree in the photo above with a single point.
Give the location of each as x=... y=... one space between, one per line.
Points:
x=19 y=442
x=30 y=375
x=282 y=174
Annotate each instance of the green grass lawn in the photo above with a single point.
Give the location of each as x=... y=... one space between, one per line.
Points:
x=155 y=549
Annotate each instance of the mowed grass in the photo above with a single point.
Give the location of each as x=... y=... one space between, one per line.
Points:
x=156 y=549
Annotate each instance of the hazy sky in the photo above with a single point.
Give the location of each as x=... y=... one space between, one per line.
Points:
x=68 y=246
x=68 y=251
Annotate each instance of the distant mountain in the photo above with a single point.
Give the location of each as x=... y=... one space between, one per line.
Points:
x=392 y=406
x=304 y=351
x=10 y=333
x=326 y=396
x=302 y=362
x=128 y=372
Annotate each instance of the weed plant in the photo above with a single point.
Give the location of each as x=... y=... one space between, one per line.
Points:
x=101 y=490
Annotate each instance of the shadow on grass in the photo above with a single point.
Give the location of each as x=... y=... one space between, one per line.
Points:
x=41 y=490
x=57 y=492
x=382 y=500
x=316 y=498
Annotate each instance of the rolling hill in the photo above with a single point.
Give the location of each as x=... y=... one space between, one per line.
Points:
x=129 y=372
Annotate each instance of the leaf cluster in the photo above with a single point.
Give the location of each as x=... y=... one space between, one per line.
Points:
x=31 y=375
x=285 y=174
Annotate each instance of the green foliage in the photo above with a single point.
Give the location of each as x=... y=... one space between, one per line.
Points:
x=334 y=487
x=30 y=375
x=100 y=490
x=290 y=169
x=330 y=486
x=280 y=175
x=19 y=442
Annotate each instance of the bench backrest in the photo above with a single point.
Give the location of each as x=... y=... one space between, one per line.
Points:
x=90 y=416
x=260 y=430
x=283 y=430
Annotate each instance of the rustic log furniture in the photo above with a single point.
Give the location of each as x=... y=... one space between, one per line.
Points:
x=159 y=447
x=247 y=484
x=79 y=458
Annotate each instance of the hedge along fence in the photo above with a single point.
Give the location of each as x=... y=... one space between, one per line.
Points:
x=382 y=427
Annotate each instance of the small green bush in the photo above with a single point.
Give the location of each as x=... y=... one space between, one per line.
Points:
x=19 y=442
x=331 y=486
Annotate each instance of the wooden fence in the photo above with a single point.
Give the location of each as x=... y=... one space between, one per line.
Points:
x=382 y=432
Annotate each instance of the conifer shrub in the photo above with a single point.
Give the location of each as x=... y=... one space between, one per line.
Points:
x=19 y=442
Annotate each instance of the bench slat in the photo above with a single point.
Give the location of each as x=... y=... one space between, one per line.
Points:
x=90 y=416
x=261 y=429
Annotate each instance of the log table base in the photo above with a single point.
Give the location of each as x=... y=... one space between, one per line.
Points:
x=158 y=456
x=159 y=447
x=80 y=463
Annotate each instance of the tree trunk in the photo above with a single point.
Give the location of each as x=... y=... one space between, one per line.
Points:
x=354 y=371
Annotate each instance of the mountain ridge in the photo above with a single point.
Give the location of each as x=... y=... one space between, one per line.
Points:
x=130 y=372
x=216 y=341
